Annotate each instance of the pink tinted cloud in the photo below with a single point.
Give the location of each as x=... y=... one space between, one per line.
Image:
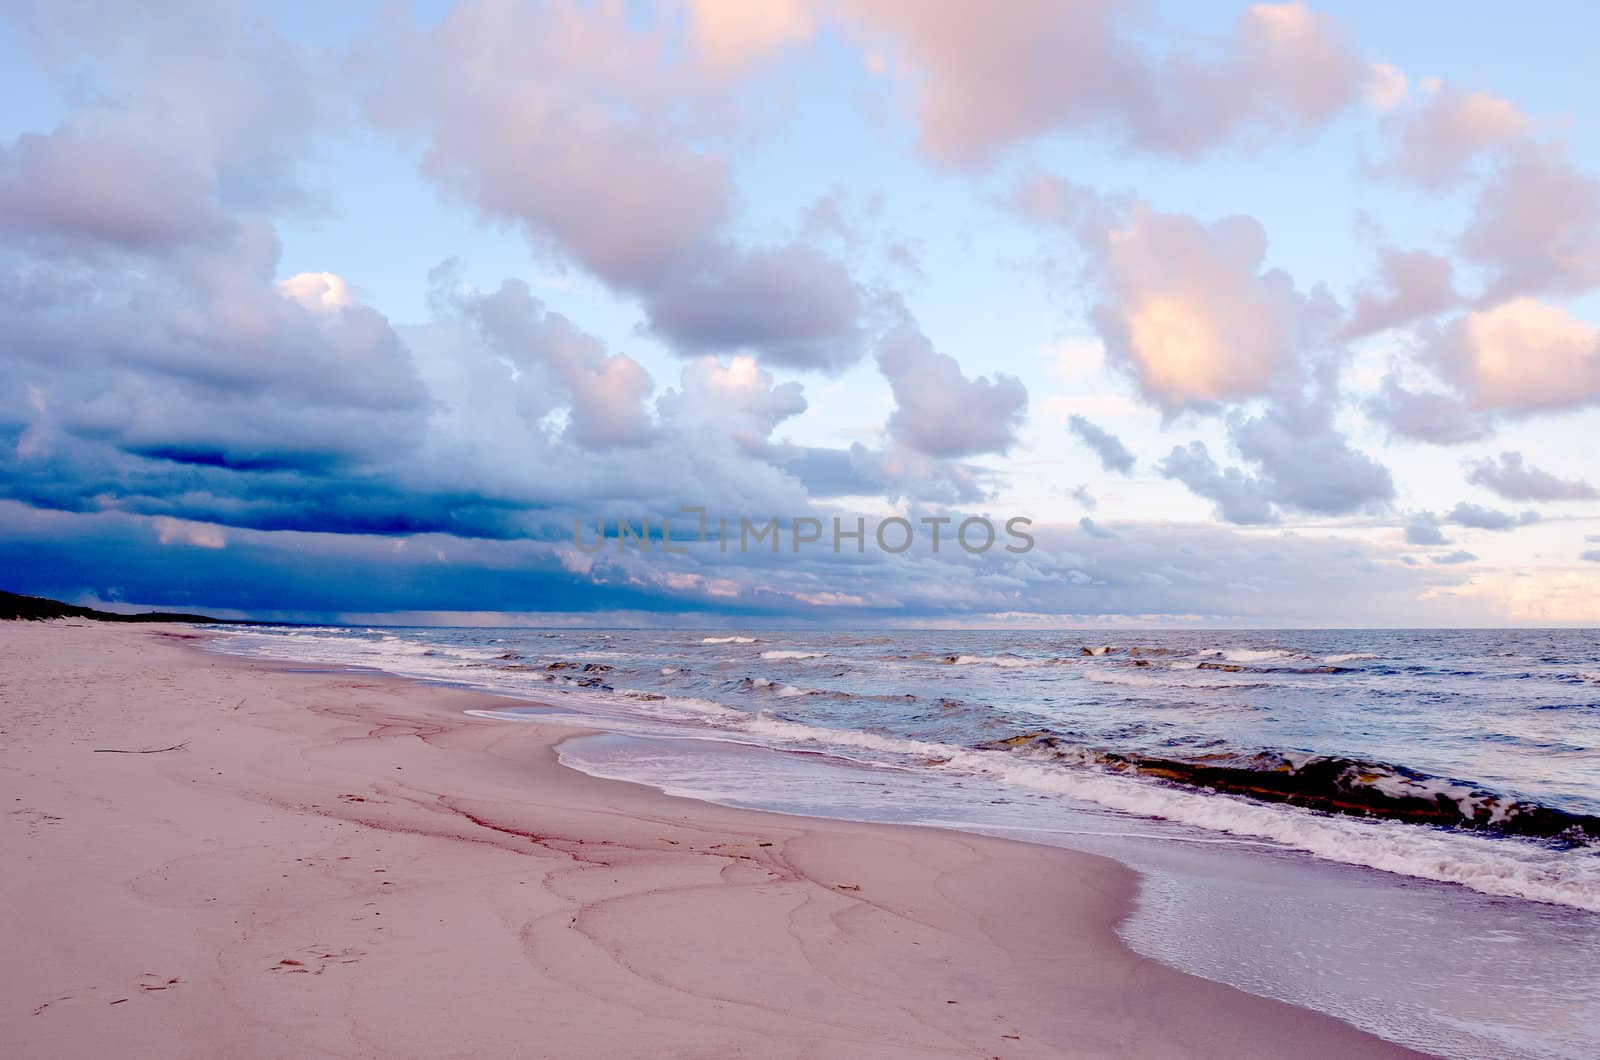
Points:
x=1188 y=310
x=1520 y=357
x=1410 y=285
x=983 y=77
x=1433 y=142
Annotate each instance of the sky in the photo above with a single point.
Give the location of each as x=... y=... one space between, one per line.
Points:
x=1271 y=315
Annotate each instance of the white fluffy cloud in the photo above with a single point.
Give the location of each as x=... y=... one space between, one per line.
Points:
x=1188 y=310
x=1520 y=357
x=736 y=396
x=318 y=292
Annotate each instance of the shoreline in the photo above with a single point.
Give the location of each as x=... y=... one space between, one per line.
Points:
x=342 y=864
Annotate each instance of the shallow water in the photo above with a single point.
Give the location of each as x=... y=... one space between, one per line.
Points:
x=1173 y=752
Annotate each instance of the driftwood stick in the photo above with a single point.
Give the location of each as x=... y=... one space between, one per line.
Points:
x=151 y=751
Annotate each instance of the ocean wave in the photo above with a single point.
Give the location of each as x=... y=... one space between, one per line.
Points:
x=1154 y=679
x=727 y=640
x=1334 y=784
x=784 y=691
x=1250 y=655
x=1006 y=661
x=792 y=655
x=1506 y=866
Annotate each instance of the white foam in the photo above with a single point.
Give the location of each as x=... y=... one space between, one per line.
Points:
x=1007 y=661
x=791 y=655
x=1252 y=655
x=727 y=640
x=1498 y=866
x=1155 y=678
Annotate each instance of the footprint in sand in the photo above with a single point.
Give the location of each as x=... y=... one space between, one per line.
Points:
x=315 y=961
x=150 y=981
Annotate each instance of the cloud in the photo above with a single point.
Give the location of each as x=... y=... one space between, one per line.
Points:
x=318 y=292
x=985 y=79
x=1535 y=227
x=1426 y=416
x=1411 y=285
x=896 y=473
x=738 y=397
x=1186 y=310
x=1285 y=70
x=1481 y=518
x=1090 y=527
x=1432 y=142
x=584 y=138
x=1307 y=464
x=1145 y=573
x=1303 y=464
x=104 y=186
x=166 y=384
x=1114 y=456
x=1453 y=558
x=938 y=411
x=1516 y=481
x=1386 y=86
x=1519 y=358
x=606 y=392
x=730 y=36
x=791 y=305
x=1077 y=209
x=178 y=531
x=1423 y=529
x=1592 y=555
x=199 y=105
x=1239 y=497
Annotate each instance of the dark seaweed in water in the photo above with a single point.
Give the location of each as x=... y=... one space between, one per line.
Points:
x=1336 y=785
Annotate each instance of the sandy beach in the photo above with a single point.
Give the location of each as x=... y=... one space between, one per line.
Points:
x=346 y=865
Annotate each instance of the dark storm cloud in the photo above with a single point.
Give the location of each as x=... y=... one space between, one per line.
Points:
x=1149 y=570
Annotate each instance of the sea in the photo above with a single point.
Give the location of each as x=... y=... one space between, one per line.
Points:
x=1400 y=828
